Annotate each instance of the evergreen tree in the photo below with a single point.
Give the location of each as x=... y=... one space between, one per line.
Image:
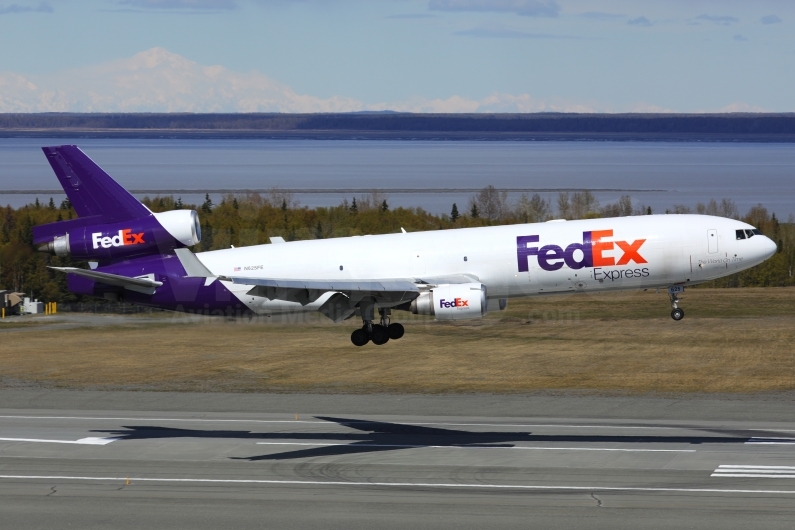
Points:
x=178 y=204
x=648 y=210
x=66 y=204
x=474 y=213
x=384 y=206
x=51 y=205
x=207 y=207
x=454 y=213
x=235 y=204
x=207 y=236
x=354 y=208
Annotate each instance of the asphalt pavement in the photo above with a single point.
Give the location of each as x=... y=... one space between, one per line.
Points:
x=323 y=461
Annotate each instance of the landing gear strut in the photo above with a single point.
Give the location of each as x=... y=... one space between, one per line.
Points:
x=379 y=333
x=677 y=313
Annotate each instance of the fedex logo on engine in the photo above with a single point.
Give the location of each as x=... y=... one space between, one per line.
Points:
x=594 y=251
x=458 y=302
x=123 y=238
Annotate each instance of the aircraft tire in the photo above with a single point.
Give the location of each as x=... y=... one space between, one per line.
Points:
x=379 y=335
x=396 y=330
x=359 y=337
x=678 y=314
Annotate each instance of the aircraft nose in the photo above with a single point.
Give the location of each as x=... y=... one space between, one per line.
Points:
x=769 y=247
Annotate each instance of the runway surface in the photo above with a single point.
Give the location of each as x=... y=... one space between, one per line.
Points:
x=304 y=469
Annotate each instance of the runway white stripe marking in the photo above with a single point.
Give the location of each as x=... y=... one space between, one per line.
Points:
x=733 y=466
x=750 y=471
x=484 y=447
x=749 y=475
x=395 y=484
x=81 y=441
x=312 y=422
x=772 y=441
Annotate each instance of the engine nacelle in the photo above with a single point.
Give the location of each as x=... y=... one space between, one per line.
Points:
x=460 y=301
x=155 y=234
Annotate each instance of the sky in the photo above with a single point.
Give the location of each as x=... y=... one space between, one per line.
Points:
x=403 y=55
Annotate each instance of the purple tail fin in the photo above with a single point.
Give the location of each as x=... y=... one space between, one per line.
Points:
x=92 y=192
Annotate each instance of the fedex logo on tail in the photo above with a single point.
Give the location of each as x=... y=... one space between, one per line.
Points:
x=594 y=251
x=124 y=237
x=458 y=302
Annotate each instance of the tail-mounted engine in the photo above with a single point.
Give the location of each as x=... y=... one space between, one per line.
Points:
x=153 y=234
x=462 y=301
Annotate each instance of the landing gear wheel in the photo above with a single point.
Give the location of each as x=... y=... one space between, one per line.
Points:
x=678 y=314
x=359 y=337
x=395 y=331
x=379 y=335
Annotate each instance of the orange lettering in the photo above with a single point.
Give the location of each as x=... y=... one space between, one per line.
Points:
x=630 y=252
x=126 y=237
x=601 y=246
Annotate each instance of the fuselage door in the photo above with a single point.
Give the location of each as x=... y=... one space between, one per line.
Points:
x=712 y=241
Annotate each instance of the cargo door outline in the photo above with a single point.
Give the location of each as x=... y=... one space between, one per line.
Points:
x=712 y=241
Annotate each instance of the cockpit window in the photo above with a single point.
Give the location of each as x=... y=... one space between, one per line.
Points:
x=740 y=234
x=757 y=232
x=749 y=234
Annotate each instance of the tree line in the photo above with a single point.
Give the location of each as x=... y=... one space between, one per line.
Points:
x=252 y=218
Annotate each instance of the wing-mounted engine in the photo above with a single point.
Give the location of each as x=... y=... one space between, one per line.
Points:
x=459 y=301
x=155 y=233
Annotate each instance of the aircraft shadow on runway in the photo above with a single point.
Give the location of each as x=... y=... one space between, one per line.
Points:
x=374 y=436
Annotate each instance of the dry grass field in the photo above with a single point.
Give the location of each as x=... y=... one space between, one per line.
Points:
x=733 y=340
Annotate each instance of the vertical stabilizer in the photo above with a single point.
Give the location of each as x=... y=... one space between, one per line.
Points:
x=92 y=192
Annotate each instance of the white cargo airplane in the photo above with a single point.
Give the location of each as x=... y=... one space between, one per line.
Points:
x=141 y=257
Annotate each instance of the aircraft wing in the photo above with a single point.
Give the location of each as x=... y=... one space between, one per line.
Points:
x=141 y=285
x=304 y=291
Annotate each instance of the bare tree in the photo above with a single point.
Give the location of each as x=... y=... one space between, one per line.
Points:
x=281 y=199
x=491 y=203
x=584 y=204
x=372 y=201
x=622 y=208
x=726 y=208
x=533 y=209
x=564 y=206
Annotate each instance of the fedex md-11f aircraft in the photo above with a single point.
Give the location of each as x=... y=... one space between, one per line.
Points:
x=144 y=258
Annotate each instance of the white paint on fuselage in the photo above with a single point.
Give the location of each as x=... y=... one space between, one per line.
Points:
x=676 y=250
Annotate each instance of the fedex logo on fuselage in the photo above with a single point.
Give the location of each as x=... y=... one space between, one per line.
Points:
x=594 y=252
x=124 y=237
x=458 y=302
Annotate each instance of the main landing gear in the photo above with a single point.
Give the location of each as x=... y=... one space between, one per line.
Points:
x=379 y=333
x=677 y=313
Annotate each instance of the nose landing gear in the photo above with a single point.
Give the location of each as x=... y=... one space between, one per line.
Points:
x=379 y=333
x=677 y=313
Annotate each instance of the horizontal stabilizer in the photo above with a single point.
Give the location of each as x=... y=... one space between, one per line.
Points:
x=91 y=191
x=140 y=285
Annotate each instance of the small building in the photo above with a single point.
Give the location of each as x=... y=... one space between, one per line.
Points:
x=12 y=302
